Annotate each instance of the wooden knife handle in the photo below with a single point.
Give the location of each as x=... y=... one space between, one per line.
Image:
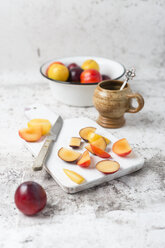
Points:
x=38 y=163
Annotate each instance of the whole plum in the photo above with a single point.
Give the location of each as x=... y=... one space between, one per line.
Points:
x=90 y=76
x=105 y=77
x=74 y=74
x=72 y=65
x=30 y=198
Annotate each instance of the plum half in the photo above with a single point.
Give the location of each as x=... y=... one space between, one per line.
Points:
x=68 y=155
x=108 y=166
x=85 y=131
x=99 y=152
x=84 y=160
x=100 y=143
x=121 y=147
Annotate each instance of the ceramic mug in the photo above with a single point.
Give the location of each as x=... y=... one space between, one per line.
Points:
x=112 y=103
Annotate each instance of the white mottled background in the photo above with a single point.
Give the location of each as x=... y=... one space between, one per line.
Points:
x=131 y=32
x=125 y=213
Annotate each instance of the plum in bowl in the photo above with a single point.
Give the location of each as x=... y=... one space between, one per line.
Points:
x=76 y=93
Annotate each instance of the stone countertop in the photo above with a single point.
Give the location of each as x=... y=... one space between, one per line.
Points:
x=127 y=212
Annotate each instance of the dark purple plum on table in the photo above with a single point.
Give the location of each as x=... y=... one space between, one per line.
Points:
x=72 y=65
x=30 y=198
x=74 y=74
x=105 y=77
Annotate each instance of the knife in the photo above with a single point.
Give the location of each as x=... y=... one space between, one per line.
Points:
x=45 y=150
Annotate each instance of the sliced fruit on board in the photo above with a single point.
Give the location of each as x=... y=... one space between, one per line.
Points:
x=84 y=160
x=30 y=134
x=88 y=147
x=121 y=147
x=84 y=132
x=75 y=142
x=75 y=177
x=108 y=166
x=101 y=143
x=44 y=124
x=99 y=152
x=94 y=136
x=68 y=155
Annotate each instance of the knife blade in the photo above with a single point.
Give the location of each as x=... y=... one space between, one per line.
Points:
x=50 y=139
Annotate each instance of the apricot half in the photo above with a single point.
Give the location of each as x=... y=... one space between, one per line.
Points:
x=30 y=134
x=75 y=177
x=44 y=124
x=85 y=131
x=99 y=152
x=100 y=143
x=108 y=166
x=84 y=160
x=68 y=155
x=121 y=147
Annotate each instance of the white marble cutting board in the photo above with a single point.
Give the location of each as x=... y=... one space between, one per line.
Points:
x=71 y=127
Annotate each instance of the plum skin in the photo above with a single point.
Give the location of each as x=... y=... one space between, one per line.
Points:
x=74 y=74
x=105 y=77
x=72 y=65
x=30 y=198
x=90 y=76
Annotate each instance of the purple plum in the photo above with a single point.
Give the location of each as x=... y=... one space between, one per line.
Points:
x=74 y=74
x=105 y=77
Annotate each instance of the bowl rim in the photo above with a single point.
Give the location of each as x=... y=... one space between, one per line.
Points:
x=74 y=83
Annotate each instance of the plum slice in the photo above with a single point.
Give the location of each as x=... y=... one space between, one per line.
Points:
x=94 y=136
x=74 y=176
x=84 y=160
x=101 y=143
x=99 y=152
x=85 y=131
x=75 y=142
x=108 y=166
x=31 y=134
x=121 y=147
x=68 y=155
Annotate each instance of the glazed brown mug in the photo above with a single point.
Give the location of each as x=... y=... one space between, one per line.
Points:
x=112 y=103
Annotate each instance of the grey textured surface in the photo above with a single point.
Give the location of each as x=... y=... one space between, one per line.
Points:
x=128 y=212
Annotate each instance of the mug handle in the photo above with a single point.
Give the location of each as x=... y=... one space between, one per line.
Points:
x=140 y=101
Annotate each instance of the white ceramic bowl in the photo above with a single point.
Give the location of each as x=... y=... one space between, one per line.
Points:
x=77 y=94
